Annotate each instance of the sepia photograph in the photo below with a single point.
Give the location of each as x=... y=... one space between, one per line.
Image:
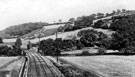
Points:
x=67 y=38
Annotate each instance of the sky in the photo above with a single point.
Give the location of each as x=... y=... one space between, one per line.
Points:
x=14 y=12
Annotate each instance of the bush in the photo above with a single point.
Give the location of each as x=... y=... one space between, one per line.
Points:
x=85 y=52
x=101 y=51
x=79 y=45
x=18 y=42
x=1 y=40
x=10 y=51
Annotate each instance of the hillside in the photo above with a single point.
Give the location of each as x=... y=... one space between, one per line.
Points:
x=44 y=32
x=79 y=24
x=111 y=33
x=69 y=35
x=4 y=35
x=22 y=29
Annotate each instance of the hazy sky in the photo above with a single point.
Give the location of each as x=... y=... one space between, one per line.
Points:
x=13 y=12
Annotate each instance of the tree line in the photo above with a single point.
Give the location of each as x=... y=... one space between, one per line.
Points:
x=11 y=50
x=88 y=38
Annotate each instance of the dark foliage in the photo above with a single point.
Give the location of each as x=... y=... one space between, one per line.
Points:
x=90 y=37
x=84 y=21
x=1 y=40
x=98 y=24
x=124 y=37
x=101 y=51
x=79 y=45
x=10 y=51
x=47 y=47
x=85 y=53
x=18 y=42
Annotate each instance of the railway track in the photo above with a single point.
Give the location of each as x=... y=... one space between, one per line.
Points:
x=38 y=66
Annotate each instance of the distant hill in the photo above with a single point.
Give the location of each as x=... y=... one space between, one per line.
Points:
x=98 y=24
x=32 y=30
x=4 y=35
x=44 y=32
x=22 y=29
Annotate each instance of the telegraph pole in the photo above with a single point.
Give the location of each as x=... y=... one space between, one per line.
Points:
x=39 y=43
x=56 y=46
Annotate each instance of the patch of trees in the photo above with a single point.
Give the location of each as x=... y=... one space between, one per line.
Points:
x=11 y=50
x=80 y=22
x=87 y=21
x=123 y=23
x=84 y=21
x=124 y=37
x=53 y=47
x=88 y=38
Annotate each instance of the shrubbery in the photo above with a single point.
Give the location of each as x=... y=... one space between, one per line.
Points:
x=88 y=38
x=85 y=53
x=10 y=51
x=101 y=51
x=124 y=37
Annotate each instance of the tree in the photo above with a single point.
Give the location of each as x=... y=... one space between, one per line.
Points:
x=18 y=42
x=100 y=15
x=59 y=21
x=47 y=47
x=113 y=12
x=68 y=27
x=84 y=21
x=88 y=37
x=61 y=29
x=58 y=44
x=93 y=16
x=79 y=45
x=98 y=24
x=118 y=11
x=71 y=20
x=29 y=45
x=123 y=10
x=1 y=40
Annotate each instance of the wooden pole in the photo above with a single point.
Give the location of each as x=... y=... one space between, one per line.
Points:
x=57 y=47
x=39 y=43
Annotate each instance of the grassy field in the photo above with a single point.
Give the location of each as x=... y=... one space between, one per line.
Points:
x=106 y=66
x=4 y=60
x=10 y=66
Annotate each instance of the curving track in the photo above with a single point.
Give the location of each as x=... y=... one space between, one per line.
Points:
x=37 y=66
